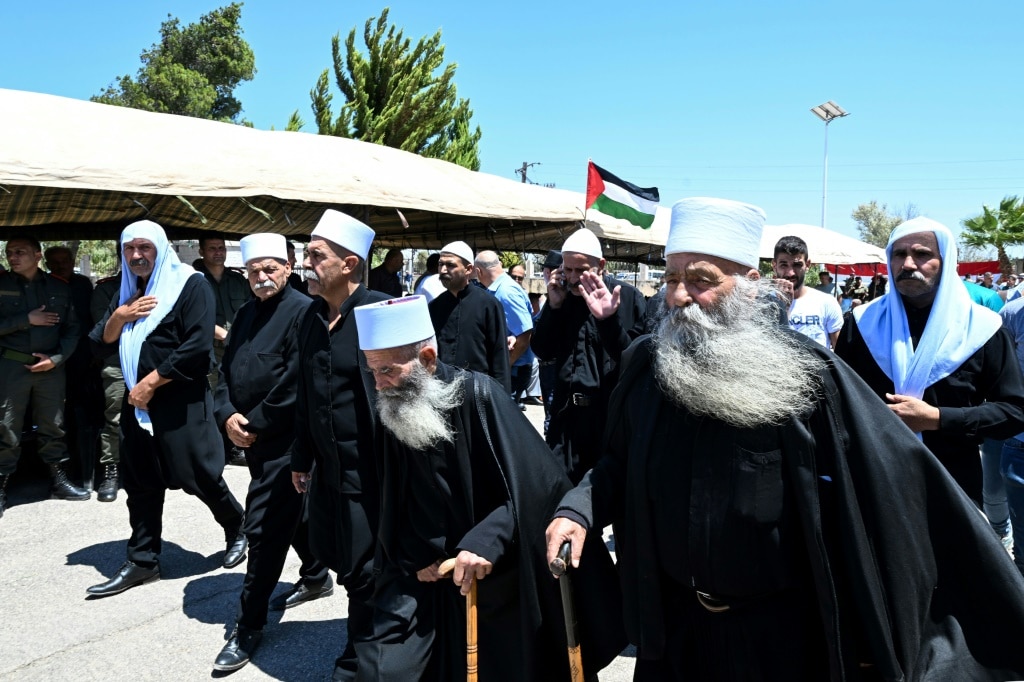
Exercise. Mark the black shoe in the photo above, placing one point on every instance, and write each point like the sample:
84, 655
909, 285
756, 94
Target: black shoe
129, 575
62, 488
3, 492
235, 553
107, 492
301, 593
240, 647
236, 457
532, 400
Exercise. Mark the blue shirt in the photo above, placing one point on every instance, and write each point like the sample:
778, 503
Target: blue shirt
518, 312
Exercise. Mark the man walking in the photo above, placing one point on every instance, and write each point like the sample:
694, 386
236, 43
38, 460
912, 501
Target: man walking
161, 324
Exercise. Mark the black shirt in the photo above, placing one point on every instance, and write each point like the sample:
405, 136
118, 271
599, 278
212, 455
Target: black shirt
471, 332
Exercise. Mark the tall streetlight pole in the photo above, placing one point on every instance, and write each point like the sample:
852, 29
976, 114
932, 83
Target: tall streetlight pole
827, 112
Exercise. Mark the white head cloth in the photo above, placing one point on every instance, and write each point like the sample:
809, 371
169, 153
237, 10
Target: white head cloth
957, 327
165, 283
393, 323
583, 241
460, 249
264, 245
345, 231
716, 227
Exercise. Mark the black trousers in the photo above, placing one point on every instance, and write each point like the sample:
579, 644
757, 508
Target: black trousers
520, 381
185, 451
273, 521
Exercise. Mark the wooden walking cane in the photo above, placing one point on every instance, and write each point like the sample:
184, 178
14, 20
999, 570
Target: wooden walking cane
446, 567
560, 569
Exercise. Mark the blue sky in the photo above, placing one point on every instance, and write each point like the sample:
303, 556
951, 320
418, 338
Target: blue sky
698, 99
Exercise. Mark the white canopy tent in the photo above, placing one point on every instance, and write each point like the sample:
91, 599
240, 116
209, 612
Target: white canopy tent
824, 247
82, 169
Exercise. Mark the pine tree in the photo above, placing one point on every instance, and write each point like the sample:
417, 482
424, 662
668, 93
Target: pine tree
192, 71
397, 95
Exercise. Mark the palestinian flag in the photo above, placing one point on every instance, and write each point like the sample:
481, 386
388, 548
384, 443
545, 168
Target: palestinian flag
620, 199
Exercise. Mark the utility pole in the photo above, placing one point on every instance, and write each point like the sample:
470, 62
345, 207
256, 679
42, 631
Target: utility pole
522, 171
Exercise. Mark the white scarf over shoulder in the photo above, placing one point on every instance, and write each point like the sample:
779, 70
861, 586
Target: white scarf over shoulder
166, 284
957, 327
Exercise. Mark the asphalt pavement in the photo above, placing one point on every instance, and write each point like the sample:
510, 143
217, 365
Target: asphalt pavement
52, 550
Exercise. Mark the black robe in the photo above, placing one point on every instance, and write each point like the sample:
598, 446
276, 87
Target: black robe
496, 488
983, 398
261, 371
334, 430
586, 352
471, 333
907, 576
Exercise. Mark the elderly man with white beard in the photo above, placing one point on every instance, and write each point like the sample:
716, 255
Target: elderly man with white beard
774, 520
465, 475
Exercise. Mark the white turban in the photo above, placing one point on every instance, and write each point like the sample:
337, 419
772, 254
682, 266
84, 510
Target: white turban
460, 249
393, 323
716, 227
264, 245
345, 231
583, 241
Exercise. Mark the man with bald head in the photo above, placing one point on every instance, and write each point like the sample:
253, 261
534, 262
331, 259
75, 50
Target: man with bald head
943, 364
755, 527
589, 319
518, 317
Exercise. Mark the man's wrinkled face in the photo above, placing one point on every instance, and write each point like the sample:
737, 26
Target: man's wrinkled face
312, 280
22, 257
60, 264
267, 276
916, 265
573, 267
140, 255
389, 367
792, 268
213, 252
330, 264
694, 278
453, 272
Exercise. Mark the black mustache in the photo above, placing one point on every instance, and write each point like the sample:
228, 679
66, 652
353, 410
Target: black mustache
138, 262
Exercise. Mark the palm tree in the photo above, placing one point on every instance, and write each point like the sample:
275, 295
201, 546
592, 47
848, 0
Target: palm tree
999, 228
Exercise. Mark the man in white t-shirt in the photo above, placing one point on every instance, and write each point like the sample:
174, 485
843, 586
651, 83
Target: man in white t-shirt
813, 313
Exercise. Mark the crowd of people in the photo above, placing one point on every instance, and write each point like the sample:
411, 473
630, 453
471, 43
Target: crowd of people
798, 491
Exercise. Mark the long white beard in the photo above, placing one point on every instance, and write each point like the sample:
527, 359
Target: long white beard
734, 362
416, 412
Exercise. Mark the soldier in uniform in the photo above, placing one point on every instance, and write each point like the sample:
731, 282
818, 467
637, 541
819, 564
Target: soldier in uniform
113, 395
38, 332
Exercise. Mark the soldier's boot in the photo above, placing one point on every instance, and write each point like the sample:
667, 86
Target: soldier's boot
3, 493
64, 489
107, 492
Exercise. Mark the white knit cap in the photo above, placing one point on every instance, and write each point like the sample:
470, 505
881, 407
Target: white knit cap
583, 241
345, 231
716, 227
460, 249
264, 245
393, 323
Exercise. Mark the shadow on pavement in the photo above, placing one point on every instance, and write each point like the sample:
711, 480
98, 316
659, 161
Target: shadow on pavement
175, 561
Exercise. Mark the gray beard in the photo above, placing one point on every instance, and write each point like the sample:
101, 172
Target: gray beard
416, 413
735, 362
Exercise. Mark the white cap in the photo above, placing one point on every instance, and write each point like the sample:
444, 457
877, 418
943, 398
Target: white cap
583, 241
345, 231
264, 245
393, 323
716, 227
460, 249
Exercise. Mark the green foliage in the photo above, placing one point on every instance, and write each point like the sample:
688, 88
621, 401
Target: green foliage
875, 223
1001, 227
191, 71
103, 256
509, 259
397, 95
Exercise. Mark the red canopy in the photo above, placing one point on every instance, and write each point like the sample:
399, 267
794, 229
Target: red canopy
979, 268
